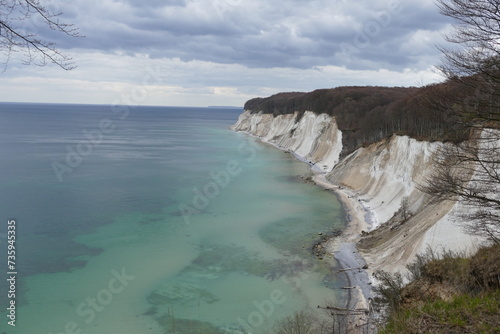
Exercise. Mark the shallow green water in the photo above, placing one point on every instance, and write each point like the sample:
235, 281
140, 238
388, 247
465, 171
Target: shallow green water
175, 223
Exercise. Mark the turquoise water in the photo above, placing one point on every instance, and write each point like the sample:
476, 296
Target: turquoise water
156, 220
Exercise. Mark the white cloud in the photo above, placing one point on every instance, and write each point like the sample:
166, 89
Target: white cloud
196, 83
227, 51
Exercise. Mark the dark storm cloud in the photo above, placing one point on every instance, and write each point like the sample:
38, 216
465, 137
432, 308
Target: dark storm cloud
299, 34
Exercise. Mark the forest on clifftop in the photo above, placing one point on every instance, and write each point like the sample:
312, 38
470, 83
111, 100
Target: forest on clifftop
366, 115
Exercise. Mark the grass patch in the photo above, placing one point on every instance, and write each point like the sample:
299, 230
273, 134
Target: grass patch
463, 314
446, 293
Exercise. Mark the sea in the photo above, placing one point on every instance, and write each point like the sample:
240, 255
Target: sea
153, 220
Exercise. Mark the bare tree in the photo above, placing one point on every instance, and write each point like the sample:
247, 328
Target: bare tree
19, 24
405, 208
301, 322
470, 171
473, 69
389, 289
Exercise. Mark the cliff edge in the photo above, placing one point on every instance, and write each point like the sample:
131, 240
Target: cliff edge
382, 179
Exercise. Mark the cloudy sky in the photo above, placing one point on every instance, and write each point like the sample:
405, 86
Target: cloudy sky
224, 52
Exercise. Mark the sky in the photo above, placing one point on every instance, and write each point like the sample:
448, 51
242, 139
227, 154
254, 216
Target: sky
225, 52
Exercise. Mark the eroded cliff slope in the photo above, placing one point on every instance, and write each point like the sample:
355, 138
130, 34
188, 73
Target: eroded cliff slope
314, 138
383, 176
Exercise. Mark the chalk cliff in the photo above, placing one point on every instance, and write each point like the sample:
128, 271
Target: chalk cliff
314, 138
383, 177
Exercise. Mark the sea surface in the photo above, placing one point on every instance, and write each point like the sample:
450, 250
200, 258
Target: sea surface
152, 220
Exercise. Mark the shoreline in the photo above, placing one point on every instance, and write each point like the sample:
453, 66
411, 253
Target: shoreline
343, 248
357, 213
380, 175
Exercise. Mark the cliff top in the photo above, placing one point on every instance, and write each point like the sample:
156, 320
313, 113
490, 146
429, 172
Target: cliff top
367, 114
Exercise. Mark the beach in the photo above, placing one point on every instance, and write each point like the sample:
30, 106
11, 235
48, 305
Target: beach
387, 215
348, 260
343, 248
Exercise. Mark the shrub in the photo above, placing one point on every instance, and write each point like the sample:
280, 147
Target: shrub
454, 271
463, 314
485, 267
389, 290
447, 293
301, 322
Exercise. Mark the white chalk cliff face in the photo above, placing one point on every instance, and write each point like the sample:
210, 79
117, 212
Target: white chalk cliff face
315, 138
385, 173
381, 176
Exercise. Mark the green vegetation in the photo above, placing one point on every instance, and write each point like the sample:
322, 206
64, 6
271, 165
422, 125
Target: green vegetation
446, 294
463, 314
